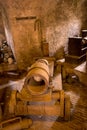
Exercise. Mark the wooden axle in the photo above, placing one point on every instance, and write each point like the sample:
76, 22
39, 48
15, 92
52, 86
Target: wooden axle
49, 96
49, 110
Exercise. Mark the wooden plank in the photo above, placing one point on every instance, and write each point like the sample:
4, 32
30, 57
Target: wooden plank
62, 103
67, 108
7, 67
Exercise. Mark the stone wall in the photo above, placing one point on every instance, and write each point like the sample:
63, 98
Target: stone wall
2, 31
55, 21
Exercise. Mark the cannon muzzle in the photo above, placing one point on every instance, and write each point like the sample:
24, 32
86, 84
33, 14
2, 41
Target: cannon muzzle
37, 79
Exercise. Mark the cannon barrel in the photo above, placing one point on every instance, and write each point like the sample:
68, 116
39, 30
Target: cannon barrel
37, 79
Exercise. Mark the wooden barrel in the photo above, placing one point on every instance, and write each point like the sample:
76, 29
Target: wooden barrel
37, 79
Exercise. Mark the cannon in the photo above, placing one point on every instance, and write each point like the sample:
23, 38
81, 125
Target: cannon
37, 96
